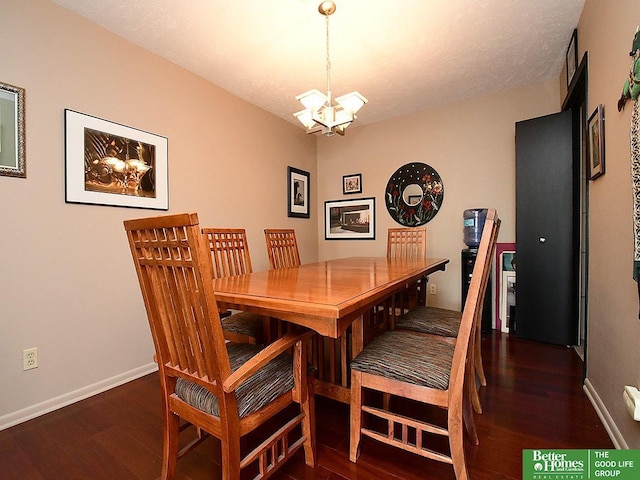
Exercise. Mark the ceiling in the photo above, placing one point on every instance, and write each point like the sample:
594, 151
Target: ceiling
404, 56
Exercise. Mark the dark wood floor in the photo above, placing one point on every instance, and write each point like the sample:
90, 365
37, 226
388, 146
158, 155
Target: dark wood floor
534, 399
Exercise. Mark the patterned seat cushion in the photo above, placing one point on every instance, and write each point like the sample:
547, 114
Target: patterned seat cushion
433, 320
260, 389
244, 323
408, 357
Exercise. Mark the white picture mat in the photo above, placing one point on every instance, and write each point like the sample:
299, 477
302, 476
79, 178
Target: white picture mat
75, 123
366, 212
304, 181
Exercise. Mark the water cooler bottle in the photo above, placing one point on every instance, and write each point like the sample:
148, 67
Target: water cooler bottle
473, 224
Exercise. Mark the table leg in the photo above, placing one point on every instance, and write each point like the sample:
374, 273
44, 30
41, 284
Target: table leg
325, 384
357, 336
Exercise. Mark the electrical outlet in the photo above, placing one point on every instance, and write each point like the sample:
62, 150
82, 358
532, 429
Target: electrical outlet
30, 358
432, 288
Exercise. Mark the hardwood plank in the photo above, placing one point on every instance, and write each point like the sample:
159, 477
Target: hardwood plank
533, 399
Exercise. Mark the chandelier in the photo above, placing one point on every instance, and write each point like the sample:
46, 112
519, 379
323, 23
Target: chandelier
320, 114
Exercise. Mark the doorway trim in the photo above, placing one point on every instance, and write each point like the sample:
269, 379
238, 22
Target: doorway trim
576, 101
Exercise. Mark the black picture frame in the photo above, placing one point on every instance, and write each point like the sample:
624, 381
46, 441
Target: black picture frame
350, 219
298, 186
595, 127
571, 59
352, 183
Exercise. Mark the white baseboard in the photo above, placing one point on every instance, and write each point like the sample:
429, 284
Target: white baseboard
609, 425
14, 418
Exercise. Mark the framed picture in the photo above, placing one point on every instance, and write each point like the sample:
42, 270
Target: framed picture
111, 164
352, 183
12, 144
500, 266
507, 272
507, 299
572, 56
298, 193
350, 219
596, 143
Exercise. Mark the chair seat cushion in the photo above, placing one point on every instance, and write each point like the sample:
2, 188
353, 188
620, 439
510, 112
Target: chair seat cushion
260, 389
408, 357
432, 320
244, 323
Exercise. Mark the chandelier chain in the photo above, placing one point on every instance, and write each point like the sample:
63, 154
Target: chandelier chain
328, 60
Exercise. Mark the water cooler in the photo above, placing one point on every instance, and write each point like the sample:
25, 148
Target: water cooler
473, 225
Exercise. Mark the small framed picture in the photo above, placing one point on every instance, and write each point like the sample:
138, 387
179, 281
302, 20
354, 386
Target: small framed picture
596, 143
298, 193
572, 56
350, 219
107, 163
352, 183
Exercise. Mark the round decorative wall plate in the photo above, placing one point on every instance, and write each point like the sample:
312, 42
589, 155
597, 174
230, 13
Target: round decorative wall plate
414, 194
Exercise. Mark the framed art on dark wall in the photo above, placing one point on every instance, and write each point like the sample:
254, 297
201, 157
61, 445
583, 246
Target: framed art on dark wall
298, 193
350, 219
596, 143
108, 163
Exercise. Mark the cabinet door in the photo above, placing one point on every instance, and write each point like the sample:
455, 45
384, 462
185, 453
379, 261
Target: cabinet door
546, 285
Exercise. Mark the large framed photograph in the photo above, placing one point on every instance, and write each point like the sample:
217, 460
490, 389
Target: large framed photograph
298, 193
12, 136
111, 164
571, 61
596, 143
350, 219
352, 183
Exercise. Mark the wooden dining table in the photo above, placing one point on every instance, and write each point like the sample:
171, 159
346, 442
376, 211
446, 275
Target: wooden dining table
328, 297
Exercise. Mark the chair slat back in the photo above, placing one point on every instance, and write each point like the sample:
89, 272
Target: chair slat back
229, 251
472, 311
282, 248
174, 272
407, 242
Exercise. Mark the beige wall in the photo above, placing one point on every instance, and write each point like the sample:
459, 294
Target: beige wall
606, 30
470, 144
67, 283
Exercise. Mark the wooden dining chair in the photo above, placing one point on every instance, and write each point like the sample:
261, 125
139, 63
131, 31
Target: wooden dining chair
446, 323
223, 388
282, 248
230, 256
405, 243
425, 369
